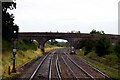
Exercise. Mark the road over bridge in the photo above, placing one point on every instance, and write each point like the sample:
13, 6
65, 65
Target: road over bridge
72, 38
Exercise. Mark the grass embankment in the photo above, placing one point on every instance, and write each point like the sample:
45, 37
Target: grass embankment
108, 63
26, 52
49, 47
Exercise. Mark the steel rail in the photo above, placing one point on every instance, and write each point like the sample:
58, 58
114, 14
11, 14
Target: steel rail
104, 75
80, 67
58, 68
34, 73
50, 68
69, 68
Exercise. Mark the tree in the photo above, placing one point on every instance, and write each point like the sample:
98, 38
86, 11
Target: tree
53, 42
102, 32
87, 44
117, 48
102, 46
7, 19
93, 31
97, 32
79, 44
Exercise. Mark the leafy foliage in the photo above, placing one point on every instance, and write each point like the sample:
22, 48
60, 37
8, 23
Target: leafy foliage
21, 45
25, 45
87, 44
97, 32
7, 19
117, 48
102, 46
7, 46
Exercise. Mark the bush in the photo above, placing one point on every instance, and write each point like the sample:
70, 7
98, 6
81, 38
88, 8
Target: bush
87, 44
117, 49
6, 45
25, 45
102, 46
91, 54
112, 56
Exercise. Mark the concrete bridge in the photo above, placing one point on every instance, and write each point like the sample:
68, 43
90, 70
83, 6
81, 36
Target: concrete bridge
72, 38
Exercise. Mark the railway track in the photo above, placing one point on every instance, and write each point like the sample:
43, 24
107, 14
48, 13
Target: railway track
59, 65
88, 69
78, 72
54, 71
47, 69
35, 76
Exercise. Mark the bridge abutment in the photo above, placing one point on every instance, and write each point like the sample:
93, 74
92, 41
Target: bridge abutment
42, 48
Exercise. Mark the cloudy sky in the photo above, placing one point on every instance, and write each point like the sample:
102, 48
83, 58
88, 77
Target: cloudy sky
67, 15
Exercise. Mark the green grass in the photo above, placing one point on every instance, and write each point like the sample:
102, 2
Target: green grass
25, 52
112, 56
6, 46
113, 73
24, 45
50, 46
21, 58
108, 63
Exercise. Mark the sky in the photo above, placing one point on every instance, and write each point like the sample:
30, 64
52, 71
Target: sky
67, 15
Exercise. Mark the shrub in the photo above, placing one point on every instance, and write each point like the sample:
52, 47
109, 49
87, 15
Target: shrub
117, 49
25, 45
102, 46
89, 45
112, 56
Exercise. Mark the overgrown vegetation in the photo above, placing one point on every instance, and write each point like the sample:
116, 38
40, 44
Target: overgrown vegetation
108, 63
26, 50
25, 45
21, 45
103, 46
117, 49
101, 53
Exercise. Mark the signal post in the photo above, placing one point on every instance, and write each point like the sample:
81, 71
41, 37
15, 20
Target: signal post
14, 33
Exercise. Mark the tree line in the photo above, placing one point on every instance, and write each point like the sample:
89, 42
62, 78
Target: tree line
102, 46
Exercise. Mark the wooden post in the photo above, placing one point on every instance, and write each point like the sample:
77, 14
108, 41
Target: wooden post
9, 69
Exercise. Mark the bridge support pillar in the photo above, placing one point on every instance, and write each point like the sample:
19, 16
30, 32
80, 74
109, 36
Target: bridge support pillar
42, 48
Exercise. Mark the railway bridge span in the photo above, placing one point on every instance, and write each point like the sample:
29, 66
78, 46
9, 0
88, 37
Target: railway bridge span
72, 38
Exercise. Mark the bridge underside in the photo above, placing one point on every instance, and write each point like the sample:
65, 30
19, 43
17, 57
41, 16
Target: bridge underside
42, 41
